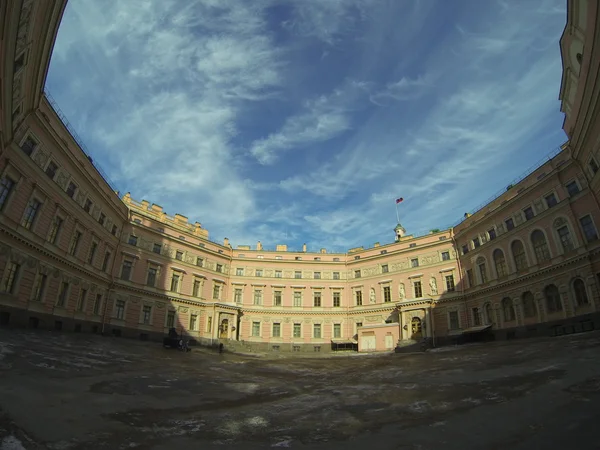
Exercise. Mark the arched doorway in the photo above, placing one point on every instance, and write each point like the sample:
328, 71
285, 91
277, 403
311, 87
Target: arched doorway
224, 329
415, 326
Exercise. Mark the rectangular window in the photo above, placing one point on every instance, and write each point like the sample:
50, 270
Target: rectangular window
297, 298
55, 230
63, 294
98, 304
358, 298
317, 299
259, 273
196, 288
470, 277
317, 275
276, 329
239, 272
465, 249
238, 296
51, 169
589, 230
418, 289
278, 274
151, 279
387, 294
450, 283
81, 300
193, 322
179, 255
414, 262
413, 245
337, 330
453, 320
71, 188
6, 187
476, 242
114, 230
317, 331
565, 238
510, 224
106, 261
87, 206
297, 274
297, 330
277, 298
11, 277
126, 270
445, 256
209, 325
336, 275
256, 329
146, 312
216, 292
92, 252
219, 268
156, 248
133, 240
33, 208
385, 268
476, 317
101, 219
258, 297
593, 166
572, 188
337, 299
357, 273
170, 319
40, 287
199, 262
551, 200
75, 243
483, 273
357, 257
492, 234
29, 145
528, 213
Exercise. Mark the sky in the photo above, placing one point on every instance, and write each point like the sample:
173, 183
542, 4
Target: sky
301, 121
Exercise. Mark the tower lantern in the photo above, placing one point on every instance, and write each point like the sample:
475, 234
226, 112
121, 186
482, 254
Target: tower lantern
400, 232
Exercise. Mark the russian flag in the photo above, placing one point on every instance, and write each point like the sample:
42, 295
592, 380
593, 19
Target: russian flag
398, 200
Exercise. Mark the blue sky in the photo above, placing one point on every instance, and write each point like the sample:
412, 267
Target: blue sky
292, 121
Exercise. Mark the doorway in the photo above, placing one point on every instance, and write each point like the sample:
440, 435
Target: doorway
224, 329
415, 326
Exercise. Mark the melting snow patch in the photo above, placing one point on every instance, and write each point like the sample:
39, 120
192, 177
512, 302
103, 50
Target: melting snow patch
474, 401
11, 443
257, 421
419, 407
546, 369
285, 443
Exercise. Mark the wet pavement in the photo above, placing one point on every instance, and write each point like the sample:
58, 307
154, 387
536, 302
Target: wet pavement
61, 391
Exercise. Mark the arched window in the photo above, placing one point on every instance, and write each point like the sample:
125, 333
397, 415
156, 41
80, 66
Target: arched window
553, 303
529, 309
519, 255
564, 234
540, 246
500, 262
489, 315
581, 296
482, 269
507, 308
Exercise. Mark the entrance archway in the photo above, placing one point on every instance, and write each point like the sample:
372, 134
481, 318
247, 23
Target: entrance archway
415, 326
224, 329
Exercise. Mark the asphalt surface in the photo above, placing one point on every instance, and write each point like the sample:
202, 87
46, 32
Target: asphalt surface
69, 391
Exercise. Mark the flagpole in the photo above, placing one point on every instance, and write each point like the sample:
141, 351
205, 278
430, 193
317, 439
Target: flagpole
397, 216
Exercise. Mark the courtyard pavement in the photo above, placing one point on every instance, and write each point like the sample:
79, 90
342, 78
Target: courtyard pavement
69, 391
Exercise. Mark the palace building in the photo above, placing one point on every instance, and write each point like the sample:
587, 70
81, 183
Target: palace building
78, 257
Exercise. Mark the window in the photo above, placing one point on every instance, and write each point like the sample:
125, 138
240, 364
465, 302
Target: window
179, 255
255, 329
216, 292
476, 317
336, 299
470, 277
51, 169
510, 224
156, 248
508, 309
259, 273
336, 275
6, 187
196, 288
277, 298
92, 252
357, 273
385, 268
97, 304
278, 274
317, 331
138, 221
199, 262
146, 312
358, 298
297, 274
81, 300
298, 258
445, 256
297, 330
106, 261
337, 330
238, 296
519, 257
133, 240
589, 230
258, 297
126, 270
317, 299
317, 275
29, 145
528, 213
11, 277
40, 287
500, 263
63, 294
453, 320
209, 324
414, 262
358, 325
101, 219
465, 249
181, 238
412, 245
529, 309
387, 295
239, 272
450, 283
33, 208
476, 242
492, 234
151, 279
87, 207
581, 296
418, 289
383, 252
551, 200
540, 246
572, 188
297, 298
219, 267
55, 230
564, 236
71, 188
276, 329
170, 319
553, 303
593, 165
336, 259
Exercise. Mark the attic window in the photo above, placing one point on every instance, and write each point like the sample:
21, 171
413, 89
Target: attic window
182, 238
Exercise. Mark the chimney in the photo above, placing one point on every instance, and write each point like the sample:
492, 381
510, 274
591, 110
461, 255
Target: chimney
226, 242
258, 246
304, 248
376, 244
